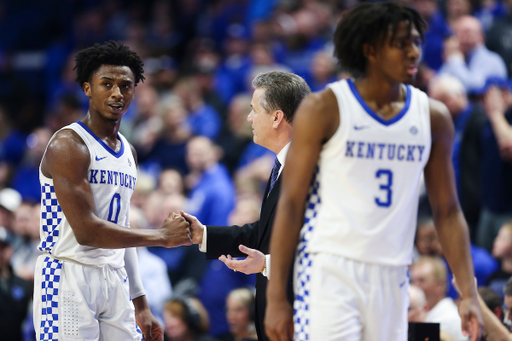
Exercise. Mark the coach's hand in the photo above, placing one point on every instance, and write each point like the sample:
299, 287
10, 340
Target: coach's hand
279, 320
196, 227
176, 231
252, 264
151, 329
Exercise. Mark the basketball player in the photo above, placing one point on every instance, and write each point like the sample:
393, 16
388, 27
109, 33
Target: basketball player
363, 144
85, 278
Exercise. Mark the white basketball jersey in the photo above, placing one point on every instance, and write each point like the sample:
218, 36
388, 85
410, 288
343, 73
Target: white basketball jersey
363, 201
112, 177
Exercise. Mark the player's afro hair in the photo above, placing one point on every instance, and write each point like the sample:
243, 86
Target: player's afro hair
369, 23
89, 60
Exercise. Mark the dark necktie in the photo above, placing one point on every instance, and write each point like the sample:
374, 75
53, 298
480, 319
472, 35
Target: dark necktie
274, 174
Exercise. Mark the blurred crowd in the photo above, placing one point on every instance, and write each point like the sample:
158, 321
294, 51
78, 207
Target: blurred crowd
188, 124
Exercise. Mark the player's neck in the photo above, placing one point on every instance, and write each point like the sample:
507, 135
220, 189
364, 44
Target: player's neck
104, 129
378, 90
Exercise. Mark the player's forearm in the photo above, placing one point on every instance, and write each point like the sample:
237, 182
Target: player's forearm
452, 227
285, 234
104, 234
140, 303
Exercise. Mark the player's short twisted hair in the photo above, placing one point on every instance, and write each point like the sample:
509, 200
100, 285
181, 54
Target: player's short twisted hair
369, 23
89, 60
283, 91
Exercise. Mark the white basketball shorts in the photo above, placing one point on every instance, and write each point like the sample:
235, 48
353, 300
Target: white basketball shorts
73, 301
341, 299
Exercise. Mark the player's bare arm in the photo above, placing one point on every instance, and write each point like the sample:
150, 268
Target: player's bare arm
66, 161
316, 120
448, 217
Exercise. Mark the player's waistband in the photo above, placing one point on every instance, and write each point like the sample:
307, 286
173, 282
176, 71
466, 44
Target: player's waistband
64, 259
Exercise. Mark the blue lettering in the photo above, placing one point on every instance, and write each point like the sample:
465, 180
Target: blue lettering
121, 179
110, 180
102, 176
399, 155
381, 147
371, 149
421, 148
134, 181
360, 146
126, 180
115, 177
410, 152
93, 180
391, 151
350, 145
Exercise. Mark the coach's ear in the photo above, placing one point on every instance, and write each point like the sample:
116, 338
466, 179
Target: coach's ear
87, 89
278, 117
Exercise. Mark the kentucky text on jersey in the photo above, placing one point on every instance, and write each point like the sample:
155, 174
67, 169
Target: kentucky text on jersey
102, 176
389, 151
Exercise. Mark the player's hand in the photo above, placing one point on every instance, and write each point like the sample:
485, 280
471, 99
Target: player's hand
279, 320
472, 322
176, 231
151, 329
196, 228
252, 264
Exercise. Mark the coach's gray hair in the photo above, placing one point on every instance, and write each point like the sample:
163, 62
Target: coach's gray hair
284, 91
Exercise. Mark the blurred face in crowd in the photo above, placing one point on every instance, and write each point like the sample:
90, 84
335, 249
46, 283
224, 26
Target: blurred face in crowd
175, 327
468, 31
417, 306
237, 315
171, 182
23, 219
427, 241
201, 154
502, 246
422, 276
261, 120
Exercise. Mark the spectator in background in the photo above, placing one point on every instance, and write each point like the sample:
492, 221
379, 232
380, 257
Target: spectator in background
26, 225
26, 178
427, 244
10, 200
418, 307
152, 269
493, 301
186, 320
238, 134
202, 118
496, 167
67, 111
468, 120
212, 192
499, 37
15, 293
170, 182
456, 9
507, 320
467, 58
322, 71
502, 250
438, 31
240, 316
167, 148
429, 274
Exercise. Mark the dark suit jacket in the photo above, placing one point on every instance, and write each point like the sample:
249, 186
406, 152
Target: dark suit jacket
223, 240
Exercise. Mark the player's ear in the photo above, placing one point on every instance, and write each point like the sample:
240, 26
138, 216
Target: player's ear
87, 89
368, 51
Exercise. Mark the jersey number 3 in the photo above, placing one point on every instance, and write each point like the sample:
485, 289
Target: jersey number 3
386, 187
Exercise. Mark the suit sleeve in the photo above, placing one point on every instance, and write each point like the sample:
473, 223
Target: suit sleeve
223, 240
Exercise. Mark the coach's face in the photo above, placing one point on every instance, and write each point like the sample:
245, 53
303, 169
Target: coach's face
261, 120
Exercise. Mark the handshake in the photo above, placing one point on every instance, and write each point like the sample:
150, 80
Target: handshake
181, 229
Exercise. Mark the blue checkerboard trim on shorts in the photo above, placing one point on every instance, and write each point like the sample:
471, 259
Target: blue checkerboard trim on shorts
49, 328
303, 264
51, 216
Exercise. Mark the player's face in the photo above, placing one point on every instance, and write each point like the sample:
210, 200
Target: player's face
110, 91
261, 120
398, 59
